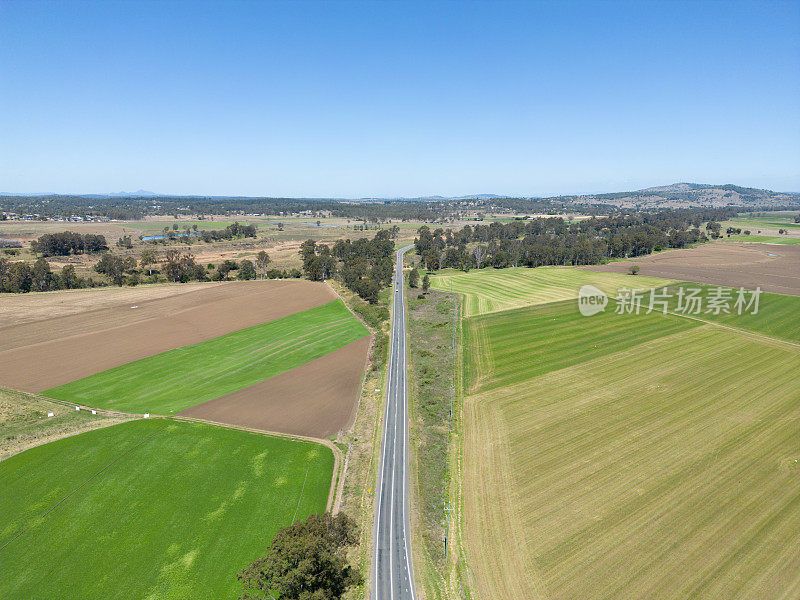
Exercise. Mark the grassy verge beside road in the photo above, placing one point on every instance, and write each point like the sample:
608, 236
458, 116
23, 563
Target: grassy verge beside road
431, 361
362, 443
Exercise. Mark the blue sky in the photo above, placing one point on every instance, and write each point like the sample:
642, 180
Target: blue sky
358, 99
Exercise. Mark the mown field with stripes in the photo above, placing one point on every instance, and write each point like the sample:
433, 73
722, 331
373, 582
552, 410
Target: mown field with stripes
630, 456
492, 290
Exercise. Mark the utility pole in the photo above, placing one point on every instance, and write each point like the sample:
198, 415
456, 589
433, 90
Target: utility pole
447, 510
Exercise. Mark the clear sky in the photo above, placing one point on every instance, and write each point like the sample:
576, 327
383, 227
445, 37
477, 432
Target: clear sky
360, 99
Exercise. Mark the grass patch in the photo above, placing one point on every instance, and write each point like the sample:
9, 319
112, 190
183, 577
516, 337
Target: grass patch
178, 379
151, 509
493, 290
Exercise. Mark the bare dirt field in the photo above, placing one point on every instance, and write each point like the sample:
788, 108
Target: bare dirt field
16, 309
774, 268
47, 352
317, 399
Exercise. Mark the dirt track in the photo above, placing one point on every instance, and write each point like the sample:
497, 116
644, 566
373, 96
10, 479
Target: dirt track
729, 264
316, 399
38, 355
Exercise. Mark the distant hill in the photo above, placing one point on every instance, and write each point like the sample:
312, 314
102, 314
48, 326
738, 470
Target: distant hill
691, 195
136, 194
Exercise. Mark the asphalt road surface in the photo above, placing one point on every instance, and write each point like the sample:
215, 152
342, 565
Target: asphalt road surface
392, 575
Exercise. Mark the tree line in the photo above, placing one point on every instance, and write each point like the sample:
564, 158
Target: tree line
152, 267
364, 266
553, 241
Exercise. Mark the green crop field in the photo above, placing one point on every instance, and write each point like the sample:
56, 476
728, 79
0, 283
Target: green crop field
632, 456
775, 221
492, 290
178, 379
763, 239
150, 509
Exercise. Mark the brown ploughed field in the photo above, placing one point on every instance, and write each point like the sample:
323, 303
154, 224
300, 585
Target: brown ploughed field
49, 351
16, 309
315, 399
773, 268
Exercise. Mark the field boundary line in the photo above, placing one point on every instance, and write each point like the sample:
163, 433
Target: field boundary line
337, 453
762, 337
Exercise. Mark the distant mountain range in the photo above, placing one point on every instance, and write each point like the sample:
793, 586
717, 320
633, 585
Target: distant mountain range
136, 194
676, 195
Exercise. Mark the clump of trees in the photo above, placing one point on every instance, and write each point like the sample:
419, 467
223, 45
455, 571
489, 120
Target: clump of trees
21, 277
181, 266
68, 242
305, 561
116, 268
231, 231
363, 266
318, 262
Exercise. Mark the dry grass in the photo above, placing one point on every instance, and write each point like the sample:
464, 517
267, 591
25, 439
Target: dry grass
24, 422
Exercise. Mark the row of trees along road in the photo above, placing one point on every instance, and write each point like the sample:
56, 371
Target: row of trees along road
364, 266
554, 241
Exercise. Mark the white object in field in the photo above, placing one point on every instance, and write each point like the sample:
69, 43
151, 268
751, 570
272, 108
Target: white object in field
146, 415
377, 389
94, 412
53, 415
77, 408
135, 306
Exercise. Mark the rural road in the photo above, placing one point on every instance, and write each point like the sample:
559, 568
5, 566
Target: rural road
392, 575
